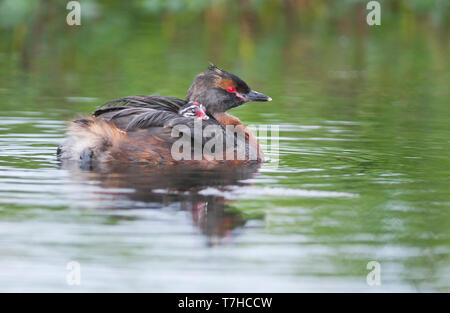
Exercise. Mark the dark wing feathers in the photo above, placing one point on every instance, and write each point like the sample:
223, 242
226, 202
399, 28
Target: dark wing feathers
153, 101
133, 112
107, 110
143, 112
150, 118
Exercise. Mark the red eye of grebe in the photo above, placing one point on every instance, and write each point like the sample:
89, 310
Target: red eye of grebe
231, 89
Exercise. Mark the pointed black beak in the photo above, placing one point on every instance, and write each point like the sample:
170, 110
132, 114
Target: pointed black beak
256, 96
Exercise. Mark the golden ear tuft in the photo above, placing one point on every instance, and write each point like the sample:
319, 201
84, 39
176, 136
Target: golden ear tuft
225, 83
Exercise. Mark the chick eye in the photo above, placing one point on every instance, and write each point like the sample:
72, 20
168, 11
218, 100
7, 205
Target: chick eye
231, 89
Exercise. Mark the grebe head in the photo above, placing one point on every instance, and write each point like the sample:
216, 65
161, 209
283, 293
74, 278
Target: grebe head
193, 109
220, 91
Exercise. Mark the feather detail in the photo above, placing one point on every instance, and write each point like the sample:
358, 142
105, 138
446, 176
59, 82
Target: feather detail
153, 101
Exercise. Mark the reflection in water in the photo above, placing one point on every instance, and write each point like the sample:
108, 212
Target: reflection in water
180, 186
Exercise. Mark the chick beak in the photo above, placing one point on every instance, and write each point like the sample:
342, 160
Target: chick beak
201, 113
256, 96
